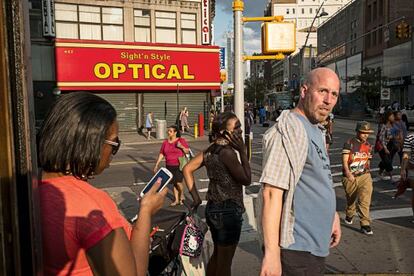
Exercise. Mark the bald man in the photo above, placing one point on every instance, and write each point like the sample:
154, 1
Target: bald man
299, 220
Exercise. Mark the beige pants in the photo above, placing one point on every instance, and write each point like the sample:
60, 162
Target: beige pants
358, 197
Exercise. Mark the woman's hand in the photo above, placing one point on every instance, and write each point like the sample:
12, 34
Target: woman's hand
152, 201
155, 170
236, 141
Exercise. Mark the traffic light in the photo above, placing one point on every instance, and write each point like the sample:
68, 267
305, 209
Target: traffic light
403, 30
223, 75
399, 31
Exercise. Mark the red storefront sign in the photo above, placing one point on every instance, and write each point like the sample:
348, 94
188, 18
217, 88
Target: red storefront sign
97, 65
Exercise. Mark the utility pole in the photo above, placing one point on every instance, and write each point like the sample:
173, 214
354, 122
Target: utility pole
238, 7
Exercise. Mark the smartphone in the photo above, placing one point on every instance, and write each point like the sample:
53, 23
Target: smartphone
165, 176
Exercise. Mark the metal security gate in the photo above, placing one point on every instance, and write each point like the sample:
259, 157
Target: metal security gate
126, 106
164, 105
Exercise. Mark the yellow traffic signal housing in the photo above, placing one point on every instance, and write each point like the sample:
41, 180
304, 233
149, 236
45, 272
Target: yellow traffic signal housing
223, 75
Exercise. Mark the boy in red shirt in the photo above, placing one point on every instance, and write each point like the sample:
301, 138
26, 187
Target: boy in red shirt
357, 181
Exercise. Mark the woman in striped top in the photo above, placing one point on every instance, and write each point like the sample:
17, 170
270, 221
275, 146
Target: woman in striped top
407, 165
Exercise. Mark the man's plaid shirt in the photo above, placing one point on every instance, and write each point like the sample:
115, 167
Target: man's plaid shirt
285, 148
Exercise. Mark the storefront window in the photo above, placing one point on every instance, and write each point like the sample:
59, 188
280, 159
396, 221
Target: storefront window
188, 28
142, 25
165, 27
89, 22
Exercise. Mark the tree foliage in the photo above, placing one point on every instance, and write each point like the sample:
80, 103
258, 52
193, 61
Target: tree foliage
254, 87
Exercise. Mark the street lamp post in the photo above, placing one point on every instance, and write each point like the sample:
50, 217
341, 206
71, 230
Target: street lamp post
317, 15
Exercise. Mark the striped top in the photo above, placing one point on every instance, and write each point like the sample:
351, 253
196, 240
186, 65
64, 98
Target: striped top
409, 146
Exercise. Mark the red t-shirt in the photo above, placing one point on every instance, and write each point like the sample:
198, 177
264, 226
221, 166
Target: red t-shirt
75, 216
171, 152
359, 155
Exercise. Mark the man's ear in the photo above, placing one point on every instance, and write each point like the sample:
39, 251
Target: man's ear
303, 90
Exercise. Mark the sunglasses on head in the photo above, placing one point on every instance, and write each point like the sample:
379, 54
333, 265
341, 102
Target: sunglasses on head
114, 144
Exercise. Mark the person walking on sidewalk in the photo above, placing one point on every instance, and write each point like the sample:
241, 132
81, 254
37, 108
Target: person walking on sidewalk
298, 217
386, 146
357, 181
171, 149
184, 120
149, 124
83, 232
407, 165
227, 176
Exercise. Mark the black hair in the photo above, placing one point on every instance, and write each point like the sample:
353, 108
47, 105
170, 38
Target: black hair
71, 137
176, 129
220, 123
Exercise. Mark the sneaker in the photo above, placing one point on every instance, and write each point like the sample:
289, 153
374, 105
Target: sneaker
349, 220
366, 229
385, 177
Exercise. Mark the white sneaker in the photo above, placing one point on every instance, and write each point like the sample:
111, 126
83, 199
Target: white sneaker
385, 177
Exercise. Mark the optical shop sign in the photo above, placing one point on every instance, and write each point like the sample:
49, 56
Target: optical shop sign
88, 65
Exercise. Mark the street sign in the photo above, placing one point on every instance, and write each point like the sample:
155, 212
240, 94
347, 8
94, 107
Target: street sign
385, 94
222, 58
278, 37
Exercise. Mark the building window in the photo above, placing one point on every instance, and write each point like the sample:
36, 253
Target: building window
287, 11
67, 26
188, 28
142, 25
381, 7
310, 10
303, 10
374, 12
380, 36
368, 40
293, 10
374, 38
89, 22
369, 11
165, 27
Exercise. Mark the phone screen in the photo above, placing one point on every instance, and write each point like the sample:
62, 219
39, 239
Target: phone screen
160, 174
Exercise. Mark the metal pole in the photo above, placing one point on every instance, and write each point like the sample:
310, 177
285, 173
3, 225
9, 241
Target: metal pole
178, 100
238, 7
222, 97
310, 57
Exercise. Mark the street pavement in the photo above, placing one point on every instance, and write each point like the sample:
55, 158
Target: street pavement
390, 250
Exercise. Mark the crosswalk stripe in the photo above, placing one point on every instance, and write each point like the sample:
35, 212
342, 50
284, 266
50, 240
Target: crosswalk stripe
392, 191
391, 213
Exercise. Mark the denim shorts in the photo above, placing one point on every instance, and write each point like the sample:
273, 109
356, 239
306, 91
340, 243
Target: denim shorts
225, 222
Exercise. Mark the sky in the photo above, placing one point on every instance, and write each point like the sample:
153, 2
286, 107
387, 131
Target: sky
223, 23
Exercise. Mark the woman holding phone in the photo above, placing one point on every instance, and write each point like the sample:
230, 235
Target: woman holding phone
82, 229
227, 175
171, 149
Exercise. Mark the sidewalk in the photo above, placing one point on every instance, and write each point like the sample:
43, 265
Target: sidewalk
133, 138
